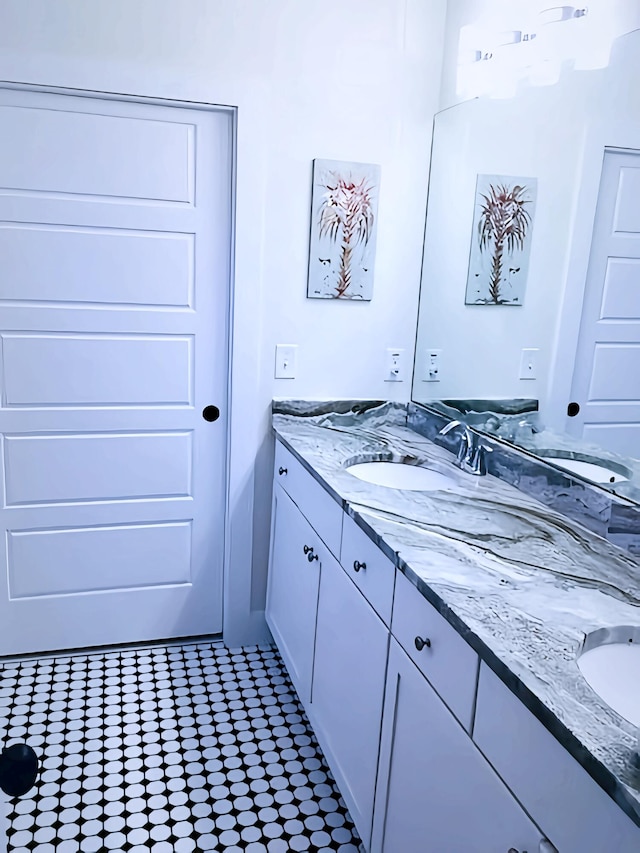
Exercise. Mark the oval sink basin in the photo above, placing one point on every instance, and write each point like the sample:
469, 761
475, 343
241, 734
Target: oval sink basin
594, 471
398, 475
610, 663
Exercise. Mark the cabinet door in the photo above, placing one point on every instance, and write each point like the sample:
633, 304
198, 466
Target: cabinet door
435, 790
569, 805
348, 690
292, 595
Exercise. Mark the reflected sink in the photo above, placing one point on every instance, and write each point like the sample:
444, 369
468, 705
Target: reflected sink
399, 475
597, 472
610, 663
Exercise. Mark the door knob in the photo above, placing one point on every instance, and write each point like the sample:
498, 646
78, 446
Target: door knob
573, 409
211, 413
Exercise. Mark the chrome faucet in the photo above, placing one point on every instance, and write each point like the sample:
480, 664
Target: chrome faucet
471, 451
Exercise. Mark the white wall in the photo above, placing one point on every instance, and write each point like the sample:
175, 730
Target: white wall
343, 79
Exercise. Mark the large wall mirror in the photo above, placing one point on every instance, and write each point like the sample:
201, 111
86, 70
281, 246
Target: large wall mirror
567, 291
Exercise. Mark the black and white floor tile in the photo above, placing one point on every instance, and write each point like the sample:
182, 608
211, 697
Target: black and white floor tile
169, 749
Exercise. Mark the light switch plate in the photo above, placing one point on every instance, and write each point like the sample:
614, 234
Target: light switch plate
286, 361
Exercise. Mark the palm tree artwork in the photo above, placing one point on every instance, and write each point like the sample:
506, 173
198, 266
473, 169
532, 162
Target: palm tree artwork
504, 217
344, 218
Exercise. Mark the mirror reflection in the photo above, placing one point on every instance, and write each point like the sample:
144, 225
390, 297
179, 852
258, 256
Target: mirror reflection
531, 271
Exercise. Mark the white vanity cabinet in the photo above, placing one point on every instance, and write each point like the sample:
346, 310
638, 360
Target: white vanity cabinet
435, 790
430, 750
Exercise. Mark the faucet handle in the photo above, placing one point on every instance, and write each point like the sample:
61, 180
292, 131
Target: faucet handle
448, 427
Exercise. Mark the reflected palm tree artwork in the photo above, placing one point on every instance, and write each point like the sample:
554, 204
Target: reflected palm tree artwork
501, 240
343, 230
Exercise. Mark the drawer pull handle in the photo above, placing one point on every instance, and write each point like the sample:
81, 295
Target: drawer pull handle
357, 566
420, 644
282, 471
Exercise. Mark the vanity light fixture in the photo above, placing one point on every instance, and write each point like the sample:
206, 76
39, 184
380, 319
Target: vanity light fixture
558, 14
514, 46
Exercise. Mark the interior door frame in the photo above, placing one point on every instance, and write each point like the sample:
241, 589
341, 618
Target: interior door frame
230, 609
598, 138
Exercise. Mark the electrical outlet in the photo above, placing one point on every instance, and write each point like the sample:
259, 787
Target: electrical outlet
529, 363
395, 365
432, 369
286, 361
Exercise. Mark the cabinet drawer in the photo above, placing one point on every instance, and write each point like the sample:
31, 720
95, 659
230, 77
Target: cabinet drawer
572, 809
450, 665
367, 566
320, 509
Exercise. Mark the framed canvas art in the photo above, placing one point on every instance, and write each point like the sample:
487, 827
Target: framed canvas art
344, 220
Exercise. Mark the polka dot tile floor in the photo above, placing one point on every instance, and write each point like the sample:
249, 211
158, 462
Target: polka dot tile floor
169, 749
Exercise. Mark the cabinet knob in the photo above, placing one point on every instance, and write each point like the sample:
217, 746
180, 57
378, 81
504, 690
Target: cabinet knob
282, 471
420, 644
307, 548
311, 556
357, 566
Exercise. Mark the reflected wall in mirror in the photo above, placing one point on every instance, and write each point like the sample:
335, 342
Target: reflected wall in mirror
580, 318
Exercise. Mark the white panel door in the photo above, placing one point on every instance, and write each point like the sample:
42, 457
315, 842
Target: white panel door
115, 234
606, 380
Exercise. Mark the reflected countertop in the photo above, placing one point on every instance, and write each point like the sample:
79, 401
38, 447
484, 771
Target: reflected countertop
519, 423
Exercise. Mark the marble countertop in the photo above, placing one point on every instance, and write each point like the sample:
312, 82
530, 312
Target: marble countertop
521, 582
